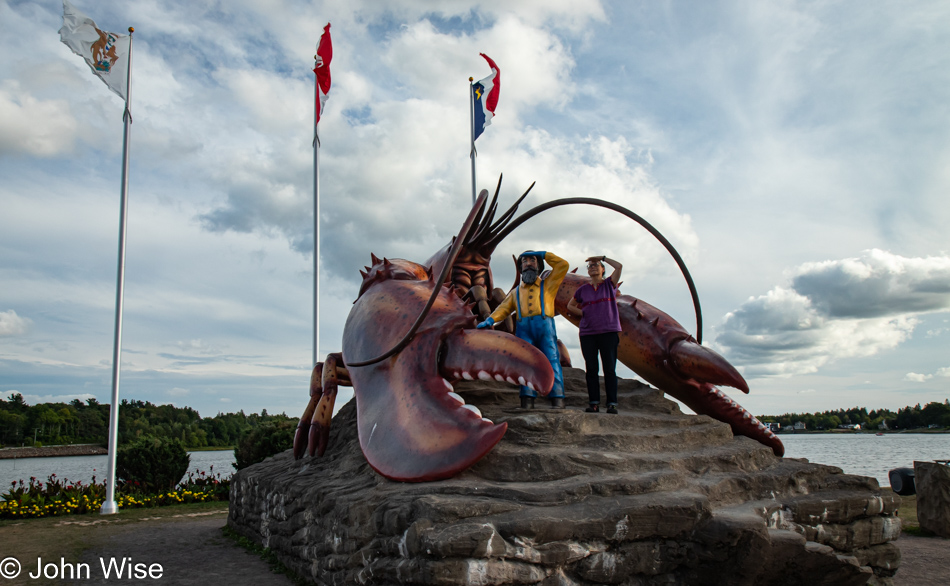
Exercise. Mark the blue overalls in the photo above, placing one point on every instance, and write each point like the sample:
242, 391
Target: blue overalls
539, 331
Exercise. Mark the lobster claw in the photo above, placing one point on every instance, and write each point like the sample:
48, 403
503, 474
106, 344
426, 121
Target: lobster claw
414, 427
663, 353
690, 360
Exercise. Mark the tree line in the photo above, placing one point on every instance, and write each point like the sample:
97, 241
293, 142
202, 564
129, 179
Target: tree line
80, 422
932, 414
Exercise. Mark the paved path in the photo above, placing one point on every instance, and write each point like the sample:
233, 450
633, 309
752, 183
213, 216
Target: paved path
925, 561
191, 550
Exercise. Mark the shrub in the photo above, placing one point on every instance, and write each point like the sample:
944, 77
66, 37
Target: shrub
154, 463
263, 442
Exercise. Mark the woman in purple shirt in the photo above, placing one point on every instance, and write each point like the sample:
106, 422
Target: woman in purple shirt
596, 304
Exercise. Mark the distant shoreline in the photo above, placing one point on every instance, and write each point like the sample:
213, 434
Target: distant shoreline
73, 450
861, 432
53, 451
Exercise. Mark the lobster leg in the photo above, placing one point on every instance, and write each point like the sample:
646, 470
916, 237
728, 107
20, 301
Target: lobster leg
303, 428
313, 430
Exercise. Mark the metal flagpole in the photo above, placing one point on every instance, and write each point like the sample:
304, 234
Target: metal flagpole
471, 112
316, 219
109, 506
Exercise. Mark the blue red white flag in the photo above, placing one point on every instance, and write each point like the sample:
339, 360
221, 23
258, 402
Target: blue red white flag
107, 54
322, 69
485, 96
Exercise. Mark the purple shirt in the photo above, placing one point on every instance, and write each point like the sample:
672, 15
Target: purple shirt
600, 308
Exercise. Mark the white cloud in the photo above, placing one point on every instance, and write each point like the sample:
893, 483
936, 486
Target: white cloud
394, 168
43, 128
12, 324
198, 347
917, 378
856, 307
178, 392
877, 284
37, 399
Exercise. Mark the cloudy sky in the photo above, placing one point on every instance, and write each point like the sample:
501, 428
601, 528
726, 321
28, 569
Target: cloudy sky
797, 154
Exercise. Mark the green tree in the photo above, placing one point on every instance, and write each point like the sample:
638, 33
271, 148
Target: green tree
263, 442
154, 463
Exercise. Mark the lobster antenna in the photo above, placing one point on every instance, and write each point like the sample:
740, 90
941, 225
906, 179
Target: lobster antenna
485, 237
511, 211
622, 210
484, 226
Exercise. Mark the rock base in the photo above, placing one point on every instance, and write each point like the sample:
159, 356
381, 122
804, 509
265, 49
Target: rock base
649, 496
933, 497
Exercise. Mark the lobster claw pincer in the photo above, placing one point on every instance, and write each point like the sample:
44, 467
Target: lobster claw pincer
691, 360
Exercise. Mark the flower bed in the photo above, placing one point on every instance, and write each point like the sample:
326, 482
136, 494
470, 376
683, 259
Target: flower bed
62, 497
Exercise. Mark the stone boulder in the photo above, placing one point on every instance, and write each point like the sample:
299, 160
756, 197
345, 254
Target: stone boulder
933, 496
649, 496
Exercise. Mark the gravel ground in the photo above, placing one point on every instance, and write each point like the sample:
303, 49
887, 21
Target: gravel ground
925, 561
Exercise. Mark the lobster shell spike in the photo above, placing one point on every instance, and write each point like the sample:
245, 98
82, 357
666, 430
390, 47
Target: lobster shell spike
374, 258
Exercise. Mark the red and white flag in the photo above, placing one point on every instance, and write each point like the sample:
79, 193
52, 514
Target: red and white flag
107, 54
322, 69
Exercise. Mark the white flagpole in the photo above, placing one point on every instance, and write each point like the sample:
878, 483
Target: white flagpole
316, 220
109, 506
471, 111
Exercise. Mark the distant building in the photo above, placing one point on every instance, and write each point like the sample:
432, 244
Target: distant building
883, 425
775, 427
799, 425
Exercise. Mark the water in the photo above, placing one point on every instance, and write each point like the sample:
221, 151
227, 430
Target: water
868, 454
83, 468
862, 454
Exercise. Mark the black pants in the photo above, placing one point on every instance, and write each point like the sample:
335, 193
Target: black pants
606, 345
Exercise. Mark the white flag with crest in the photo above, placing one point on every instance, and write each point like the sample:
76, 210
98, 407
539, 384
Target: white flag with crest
107, 54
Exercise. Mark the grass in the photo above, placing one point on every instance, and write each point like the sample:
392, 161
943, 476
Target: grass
908, 514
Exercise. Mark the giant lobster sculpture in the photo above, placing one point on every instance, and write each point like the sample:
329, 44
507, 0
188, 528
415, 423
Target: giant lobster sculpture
411, 334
